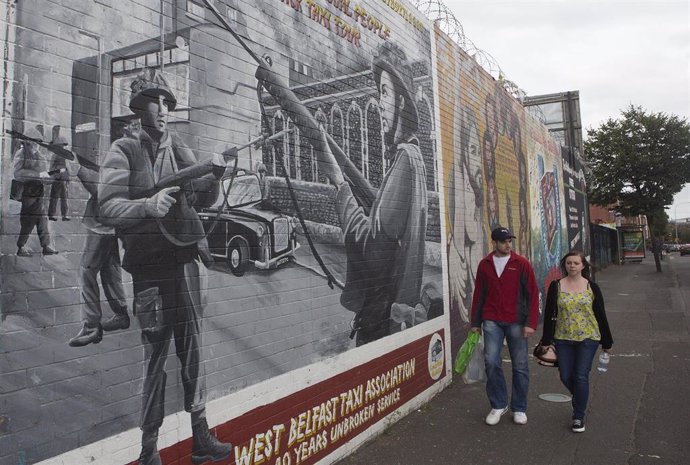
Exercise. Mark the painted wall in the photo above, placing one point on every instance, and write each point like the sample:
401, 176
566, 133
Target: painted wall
239, 321
501, 168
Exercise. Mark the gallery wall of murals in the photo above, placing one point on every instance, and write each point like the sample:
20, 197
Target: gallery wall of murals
289, 372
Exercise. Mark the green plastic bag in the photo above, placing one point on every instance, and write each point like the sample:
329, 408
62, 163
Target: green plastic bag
466, 351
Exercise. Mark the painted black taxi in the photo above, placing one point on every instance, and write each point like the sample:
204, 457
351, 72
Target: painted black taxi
248, 231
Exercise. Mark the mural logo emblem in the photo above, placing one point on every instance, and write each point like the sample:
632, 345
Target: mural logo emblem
436, 356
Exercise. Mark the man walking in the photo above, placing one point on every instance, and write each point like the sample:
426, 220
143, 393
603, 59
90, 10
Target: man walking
506, 305
160, 233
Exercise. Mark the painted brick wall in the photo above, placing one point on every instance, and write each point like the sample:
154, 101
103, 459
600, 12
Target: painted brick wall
274, 334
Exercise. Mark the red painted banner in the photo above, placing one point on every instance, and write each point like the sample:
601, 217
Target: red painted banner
304, 427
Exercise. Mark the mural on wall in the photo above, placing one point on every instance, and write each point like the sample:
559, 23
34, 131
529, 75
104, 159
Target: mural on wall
575, 200
486, 164
467, 231
255, 205
548, 210
505, 162
502, 168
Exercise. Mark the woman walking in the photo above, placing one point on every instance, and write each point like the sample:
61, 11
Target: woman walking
575, 322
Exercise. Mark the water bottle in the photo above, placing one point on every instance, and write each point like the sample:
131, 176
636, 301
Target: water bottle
604, 359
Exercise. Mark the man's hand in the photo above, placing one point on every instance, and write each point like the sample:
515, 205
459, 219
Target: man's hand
477, 329
527, 331
159, 205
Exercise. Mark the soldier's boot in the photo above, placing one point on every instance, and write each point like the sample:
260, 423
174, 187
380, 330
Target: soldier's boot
149, 449
115, 322
87, 335
206, 447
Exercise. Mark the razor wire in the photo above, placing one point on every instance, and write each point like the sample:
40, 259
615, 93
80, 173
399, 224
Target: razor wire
443, 17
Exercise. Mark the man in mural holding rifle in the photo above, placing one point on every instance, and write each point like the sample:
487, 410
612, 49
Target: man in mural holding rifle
162, 236
30, 171
384, 242
385, 249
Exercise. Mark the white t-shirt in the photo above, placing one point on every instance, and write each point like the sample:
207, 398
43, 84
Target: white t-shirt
500, 264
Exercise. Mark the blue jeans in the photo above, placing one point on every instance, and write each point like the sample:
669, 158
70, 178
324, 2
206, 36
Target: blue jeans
494, 332
574, 363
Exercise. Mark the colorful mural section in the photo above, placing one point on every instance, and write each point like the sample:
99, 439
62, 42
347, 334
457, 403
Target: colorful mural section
501, 168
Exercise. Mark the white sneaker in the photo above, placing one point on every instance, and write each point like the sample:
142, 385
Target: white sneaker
520, 418
495, 415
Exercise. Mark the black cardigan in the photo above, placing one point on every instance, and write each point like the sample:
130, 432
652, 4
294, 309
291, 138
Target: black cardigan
551, 311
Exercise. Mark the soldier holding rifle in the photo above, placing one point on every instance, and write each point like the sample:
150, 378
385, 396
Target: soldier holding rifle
384, 231
162, 235
385, 248
29, 169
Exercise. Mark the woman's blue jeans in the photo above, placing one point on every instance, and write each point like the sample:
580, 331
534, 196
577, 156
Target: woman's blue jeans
494, 332
574, 364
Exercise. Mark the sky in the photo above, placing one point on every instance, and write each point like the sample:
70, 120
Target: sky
615, 53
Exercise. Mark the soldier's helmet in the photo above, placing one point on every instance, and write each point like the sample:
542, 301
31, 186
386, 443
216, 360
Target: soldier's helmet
391, 58
150, 83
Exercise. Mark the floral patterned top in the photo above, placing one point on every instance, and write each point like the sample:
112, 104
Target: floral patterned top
576, 320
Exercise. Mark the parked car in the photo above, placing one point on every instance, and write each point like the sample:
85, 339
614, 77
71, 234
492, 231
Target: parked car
685, 249
248, 230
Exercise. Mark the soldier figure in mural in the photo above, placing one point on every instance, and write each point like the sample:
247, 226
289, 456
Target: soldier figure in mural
162, 235
385, 246
60, 186
264, 185
127, 126
30, 172
101, 255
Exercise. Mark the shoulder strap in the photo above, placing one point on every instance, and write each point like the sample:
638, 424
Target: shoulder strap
555, 310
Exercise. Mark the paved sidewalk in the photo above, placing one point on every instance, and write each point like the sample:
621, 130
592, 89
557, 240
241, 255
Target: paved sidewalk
639, 411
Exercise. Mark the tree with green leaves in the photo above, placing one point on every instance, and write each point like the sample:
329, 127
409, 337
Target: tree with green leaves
639, 162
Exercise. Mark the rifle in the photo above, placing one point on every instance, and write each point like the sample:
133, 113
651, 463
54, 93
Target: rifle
200, 169
57, 149
300, 115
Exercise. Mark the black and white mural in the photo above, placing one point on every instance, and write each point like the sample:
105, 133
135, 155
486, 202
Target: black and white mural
199, 196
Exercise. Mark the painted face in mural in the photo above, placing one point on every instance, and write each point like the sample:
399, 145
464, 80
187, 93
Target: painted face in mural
388, 101
503, 248
154, 116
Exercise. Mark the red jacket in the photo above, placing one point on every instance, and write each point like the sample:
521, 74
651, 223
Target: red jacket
512, 298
